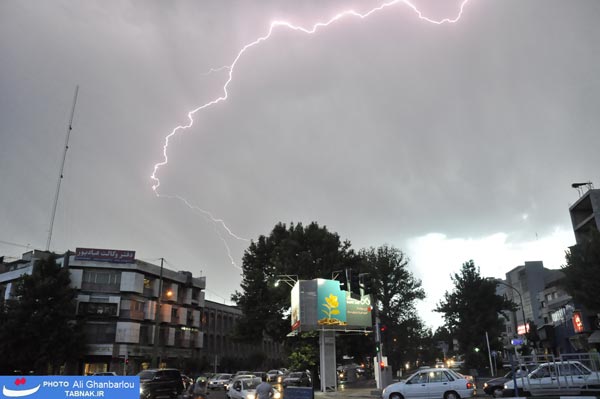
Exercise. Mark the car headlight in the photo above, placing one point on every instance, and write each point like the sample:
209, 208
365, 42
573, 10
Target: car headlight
485, 384
277, 395
250, 396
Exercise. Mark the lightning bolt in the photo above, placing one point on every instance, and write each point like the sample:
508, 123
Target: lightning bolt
311, 29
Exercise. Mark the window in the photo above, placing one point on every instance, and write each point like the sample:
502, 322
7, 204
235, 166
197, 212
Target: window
420, 378
91, 308
101, 280
97, 333
438, 376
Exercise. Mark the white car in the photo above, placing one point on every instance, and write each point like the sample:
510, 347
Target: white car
218, 381
557, 378
235, 378
245, 388
431, 383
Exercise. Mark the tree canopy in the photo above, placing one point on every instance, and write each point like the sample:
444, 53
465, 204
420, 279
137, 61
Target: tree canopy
309, 252
471, 310
37, 328
581, 272
396, 290
306, 252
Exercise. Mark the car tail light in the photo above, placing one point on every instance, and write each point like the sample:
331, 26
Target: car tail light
469, 385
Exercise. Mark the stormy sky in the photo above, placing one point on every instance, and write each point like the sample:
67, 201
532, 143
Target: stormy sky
451, 142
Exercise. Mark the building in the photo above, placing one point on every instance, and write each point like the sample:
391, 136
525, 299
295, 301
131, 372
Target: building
585, 213
223, 353
522, 285
118, 298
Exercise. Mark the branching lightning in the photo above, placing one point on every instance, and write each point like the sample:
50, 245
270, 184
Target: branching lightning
231, 70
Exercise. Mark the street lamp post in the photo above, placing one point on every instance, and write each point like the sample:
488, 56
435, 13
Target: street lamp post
497, 281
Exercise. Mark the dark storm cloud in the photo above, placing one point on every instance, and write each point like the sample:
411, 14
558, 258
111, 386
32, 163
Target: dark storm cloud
385, 130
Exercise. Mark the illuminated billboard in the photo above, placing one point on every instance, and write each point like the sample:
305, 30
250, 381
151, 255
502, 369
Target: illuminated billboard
321, 304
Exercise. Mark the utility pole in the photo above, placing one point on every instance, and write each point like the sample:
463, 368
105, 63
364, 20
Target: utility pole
62, 168
155, 362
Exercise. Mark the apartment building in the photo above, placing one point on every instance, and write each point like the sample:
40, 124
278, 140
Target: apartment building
118, 299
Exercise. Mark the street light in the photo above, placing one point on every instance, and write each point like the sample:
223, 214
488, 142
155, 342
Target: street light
498, 281
289, 279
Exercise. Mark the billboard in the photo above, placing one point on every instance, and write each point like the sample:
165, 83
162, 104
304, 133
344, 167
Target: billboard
320, 304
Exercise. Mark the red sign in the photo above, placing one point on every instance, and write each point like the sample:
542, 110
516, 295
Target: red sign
577, 322
105, 255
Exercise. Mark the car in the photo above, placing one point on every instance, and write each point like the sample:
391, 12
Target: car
259, 374
273, 374
218, 381
431, 383
297, 379
160, 383
105, 373
236, 377
495, 386
556, 378
243, 388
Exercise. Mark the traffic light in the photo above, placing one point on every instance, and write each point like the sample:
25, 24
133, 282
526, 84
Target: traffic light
383, 328
342, 277
354, 284
367, 283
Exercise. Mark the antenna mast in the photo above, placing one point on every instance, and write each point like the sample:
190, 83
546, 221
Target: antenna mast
62, 167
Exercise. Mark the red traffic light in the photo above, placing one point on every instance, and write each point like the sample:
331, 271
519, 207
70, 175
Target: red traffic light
383, 328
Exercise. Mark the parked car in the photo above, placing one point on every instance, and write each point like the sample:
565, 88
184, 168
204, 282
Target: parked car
218, 381
273, 374
432, 383
156, 383
297, 379
556, 378
495, 386
105, 373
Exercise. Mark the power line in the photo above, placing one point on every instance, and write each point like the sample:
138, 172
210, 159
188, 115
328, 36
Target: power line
14, 244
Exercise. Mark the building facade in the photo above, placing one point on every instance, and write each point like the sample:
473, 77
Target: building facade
225, 354
118, 302
585, 214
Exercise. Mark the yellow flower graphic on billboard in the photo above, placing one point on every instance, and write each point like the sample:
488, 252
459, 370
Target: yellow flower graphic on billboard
331, 306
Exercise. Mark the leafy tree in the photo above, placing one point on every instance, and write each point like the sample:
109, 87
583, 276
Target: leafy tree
471, 310
396, 291
38, 332
306, 252
581, 272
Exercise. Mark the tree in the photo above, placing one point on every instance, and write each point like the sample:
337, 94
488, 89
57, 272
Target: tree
396, 290
38, 331
307, 252
471, 310
581, 272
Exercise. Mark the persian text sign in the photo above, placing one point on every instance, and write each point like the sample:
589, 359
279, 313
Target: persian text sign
105, 255
68, 387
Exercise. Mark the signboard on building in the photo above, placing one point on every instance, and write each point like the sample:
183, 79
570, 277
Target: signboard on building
320, 304
105, 255
577, 322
